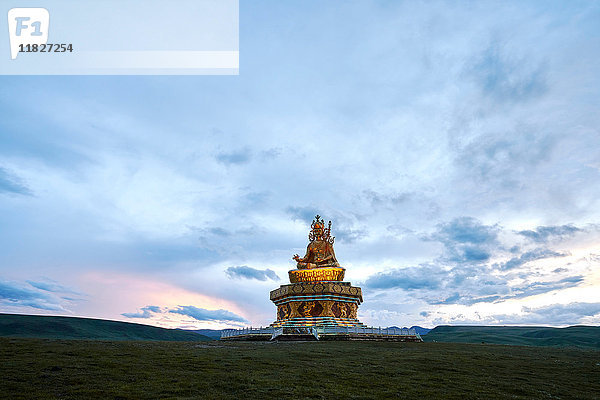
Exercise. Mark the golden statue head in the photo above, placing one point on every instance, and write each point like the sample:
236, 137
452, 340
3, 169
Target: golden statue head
319, 232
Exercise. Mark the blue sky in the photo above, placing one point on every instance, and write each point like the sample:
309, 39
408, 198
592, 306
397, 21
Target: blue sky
455, 146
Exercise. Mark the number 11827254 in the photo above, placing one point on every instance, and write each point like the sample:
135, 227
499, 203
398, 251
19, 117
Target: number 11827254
46, 48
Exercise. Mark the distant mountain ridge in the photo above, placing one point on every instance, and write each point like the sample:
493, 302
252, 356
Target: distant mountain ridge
418, 329
211, 333
52, 327
580, 336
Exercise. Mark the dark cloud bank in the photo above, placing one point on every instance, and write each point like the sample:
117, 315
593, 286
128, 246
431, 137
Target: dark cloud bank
245, 272
41, 295
11, 184
200, 314
542, 234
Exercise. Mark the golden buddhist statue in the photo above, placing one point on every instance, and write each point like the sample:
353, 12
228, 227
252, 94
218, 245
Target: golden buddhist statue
319, 252
319, 263
317, 295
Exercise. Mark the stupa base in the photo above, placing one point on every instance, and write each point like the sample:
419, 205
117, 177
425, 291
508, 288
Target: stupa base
317, 304
317, 322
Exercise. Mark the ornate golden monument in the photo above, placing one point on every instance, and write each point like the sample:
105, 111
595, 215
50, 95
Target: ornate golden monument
316, 295
317, 304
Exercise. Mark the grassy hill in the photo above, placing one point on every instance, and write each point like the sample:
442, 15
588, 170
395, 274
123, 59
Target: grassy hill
581, 336
50, 327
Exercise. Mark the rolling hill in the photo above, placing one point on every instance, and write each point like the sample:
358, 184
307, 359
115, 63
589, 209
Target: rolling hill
581, 336
51, 327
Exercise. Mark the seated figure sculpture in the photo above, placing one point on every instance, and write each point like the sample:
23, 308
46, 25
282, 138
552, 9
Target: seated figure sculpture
319, 252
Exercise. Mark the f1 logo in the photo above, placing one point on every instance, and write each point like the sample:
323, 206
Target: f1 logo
27, 26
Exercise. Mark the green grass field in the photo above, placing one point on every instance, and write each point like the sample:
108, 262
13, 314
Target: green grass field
80, 369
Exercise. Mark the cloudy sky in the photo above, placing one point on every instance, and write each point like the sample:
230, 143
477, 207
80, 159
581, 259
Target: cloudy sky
454, 146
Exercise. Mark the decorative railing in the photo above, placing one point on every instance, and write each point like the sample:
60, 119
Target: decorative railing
359, 330
247, 331
327, 330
